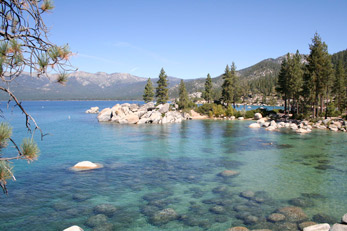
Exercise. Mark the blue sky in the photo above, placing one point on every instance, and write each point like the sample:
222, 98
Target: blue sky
191, 38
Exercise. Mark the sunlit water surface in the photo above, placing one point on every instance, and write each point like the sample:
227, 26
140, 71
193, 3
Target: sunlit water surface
148, 168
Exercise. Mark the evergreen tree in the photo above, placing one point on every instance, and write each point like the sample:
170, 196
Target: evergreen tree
184, 101
295, 80
340, 86
162, 88
228, 87
235, 84
282, 82
149, 91
319, 77
208, 89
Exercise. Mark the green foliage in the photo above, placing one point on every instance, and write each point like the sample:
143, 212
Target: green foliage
332, 110
205, 109
162, 88
218, 110
62, 78
208, 89
149, 91
318, 79
230, 111
47, 5
30, 149
43, 61
184, 101
229, 90
249, 114
290, 78
5, 134
5, 172
340, 86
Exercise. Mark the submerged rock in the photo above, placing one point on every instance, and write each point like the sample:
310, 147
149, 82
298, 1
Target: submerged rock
323, 218
164, 216
276, 217
217, 209
107, 209
228, 173
250, 220
293, 214
301, 202
247, 194
239, 228
96, 220
104, 227
81, 197
302, 130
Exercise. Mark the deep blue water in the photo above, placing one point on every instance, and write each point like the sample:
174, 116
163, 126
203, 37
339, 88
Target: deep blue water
148, 168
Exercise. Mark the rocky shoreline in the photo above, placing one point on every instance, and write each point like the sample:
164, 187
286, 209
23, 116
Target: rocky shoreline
299, 126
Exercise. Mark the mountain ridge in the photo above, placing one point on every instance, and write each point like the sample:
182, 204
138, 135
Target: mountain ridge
120, 86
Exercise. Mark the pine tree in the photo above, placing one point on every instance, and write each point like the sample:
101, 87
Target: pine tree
149, 91
282, 82
319, 76
162, 88
228, 87
340, 86
235, 84
184, 101
208, 89
295, 79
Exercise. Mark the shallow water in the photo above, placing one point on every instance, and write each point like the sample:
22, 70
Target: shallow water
148, 168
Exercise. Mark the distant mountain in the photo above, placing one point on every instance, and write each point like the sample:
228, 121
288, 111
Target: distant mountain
82, 86
117, 86
266, 67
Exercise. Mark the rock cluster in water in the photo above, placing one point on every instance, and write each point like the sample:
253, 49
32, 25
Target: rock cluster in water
300, 126
93, 110
146, 114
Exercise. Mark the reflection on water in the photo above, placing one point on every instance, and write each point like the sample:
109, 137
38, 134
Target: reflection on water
168, 177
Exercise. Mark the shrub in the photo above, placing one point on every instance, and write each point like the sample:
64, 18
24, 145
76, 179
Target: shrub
230, 111
205, 109
249, 114
218, 110
332, 111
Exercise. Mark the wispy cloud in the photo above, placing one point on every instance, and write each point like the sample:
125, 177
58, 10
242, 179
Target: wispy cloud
149, 53
134, 69
99, 59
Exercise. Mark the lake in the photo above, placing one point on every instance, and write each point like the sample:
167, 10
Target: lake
167, 177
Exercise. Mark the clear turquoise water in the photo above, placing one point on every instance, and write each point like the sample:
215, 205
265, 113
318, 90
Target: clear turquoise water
153, 167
